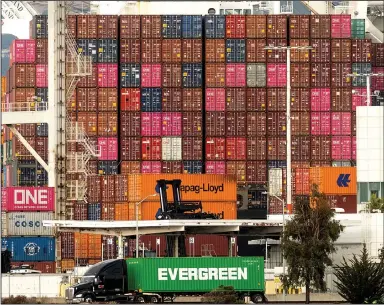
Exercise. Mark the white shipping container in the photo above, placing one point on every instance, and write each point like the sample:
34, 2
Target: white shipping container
275, 178
26, 224
171, 149
256, 75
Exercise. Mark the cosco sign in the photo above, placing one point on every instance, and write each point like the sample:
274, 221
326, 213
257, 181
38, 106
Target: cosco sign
27, 224
29, 197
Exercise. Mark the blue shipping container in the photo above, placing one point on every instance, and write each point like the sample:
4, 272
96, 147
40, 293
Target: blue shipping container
130, 75
360, 68
107, 167
277, 164
30, 249
171, 26
107, 51
94, 211
191, 26
235, 50
192, 75
192, 167
151, 99
88, 47
42, 96
42, 130
215, 26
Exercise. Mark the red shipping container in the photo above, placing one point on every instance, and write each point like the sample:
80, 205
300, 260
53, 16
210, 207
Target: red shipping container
108, 211
87, 26
107, 99
353, 146
326, 163
21, 98
235, 26
130, 149
299, 26
130, 99
256, 99
353, 123
299, 55
107, 124
191, 123
255, 50
277, 26
151, 123
277, 148
378, 54
276, 123
341, 50
171, 98
300, 99
20, 151
171, 167
359, 97
237, 169
108, 188
215, 51
341, 123
235, 75
256, 172
107, 26
129, 26
130, 167
300, 75
320, 75
108, 149
320, 123
215, 148
171, 50
192, 148
44, 267
67, 245
215, 99
107, 75
341, 148
236, 123
22, 51
130, 50
256, 148
300, 123
151, 167
80, 211
341, 99
301, 148
320, 26
215, 167
26, 130
130, 124
320, 99
341, 26
94, 189
192, 99
89, 81
256, 124
277, 56
151, 148
378, 81
151, 75
321, 50
18, 199
151, 26
301, 181
361, 50
192, 50
276, 75
86, 99
256, 26
215, 75
171, 124
151, 51
236, 99
215, 124
22, 76
340, 76
42, 51
171, 75
41, 147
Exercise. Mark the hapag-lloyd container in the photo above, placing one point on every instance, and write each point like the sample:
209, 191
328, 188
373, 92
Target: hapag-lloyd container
27, 224
151, 75
236, 148
341, 26
107, 75
320, 99
359, 97
215, 167
320, 123
151, 167
341, 123
30, 249
22, 51
235, 75
151, 124
276, 75
335, 180
215, 124
108, 148
215, 148
206, 188
171, 149
130, 149
130, 99
341, 148
16, 199
171, 124
151, 148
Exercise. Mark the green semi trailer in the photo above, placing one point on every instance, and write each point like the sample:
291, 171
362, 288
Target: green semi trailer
154, 280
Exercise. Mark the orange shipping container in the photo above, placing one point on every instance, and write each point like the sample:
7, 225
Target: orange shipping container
67, 264
132, 211
121, 211
81, 245
335, 180
196, 187
94, 246
149, 209
3, 85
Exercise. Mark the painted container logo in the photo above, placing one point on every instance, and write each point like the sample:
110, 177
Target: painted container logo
202, 188
202, 274
28, 198
31, 249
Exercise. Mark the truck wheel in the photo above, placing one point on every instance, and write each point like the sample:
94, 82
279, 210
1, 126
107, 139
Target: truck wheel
154, 300
88, 298
140, 300
257, 298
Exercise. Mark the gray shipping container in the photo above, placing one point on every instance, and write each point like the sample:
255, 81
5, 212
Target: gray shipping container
256, 75
26, 224
360, 68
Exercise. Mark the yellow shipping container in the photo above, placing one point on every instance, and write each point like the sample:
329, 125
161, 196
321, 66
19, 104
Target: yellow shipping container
335, 180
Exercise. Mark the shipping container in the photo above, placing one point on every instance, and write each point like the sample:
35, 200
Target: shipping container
359, 97
192, 75
256, 148
256, 99
22, 76
301, 148
320, 26
215, 167
18, 199
215, 26
171, 149
277, 26
256, 75
346, 202
107, 167
88, 47
107, 75
341, 123
171, 76
191, 26
215, 75
215, 148
339, 74
298, 55
151, 50
255, 49
300, 99
192, 50
377, 82
41, 147
320, 75
341, 148
89, 81
94, 189
341, 26
107, 124
256, 124
81, 246
108, 148
130, 167
42, 130
300, 123
235, 26
236, 148
358, 28
172, 124
277, 56
122, 210
238, 170
22, 51
72, 25
86, 26
151, 26
256, 172
277, 148
130, 99
80, 211
276, 123
361, 50
276, 75
171, 167
171, 50
20, 151
130, 75
301, 185
299, 26
300, 75
321, 50
171, 26
256, 26
191, 124
341, 50
38, 27
215, 50
235, 50
107, 51
94, 211
151, 75
235, 75
341, 99
108, 189
151, 99
192, 167
130, 50
215, 124
320, 123
27, 223
320, 99
378, 54
130, 148
129, 26
171, 99
94, 246
360, 68
151, 167
335, 180
44, 267
30, 249
151, 124
89, 119
151, 148
130, 124
107, 26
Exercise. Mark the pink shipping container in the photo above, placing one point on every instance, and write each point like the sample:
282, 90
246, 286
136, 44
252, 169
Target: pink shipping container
353, 148
215, 167
359, 97
22, 51
378, 81
151, 124
108, 148
320, 99
107, 75
320, 123
151, 167
236, 148
171, 124
18, 199
151, 75
341, 26
215, 148
341, 148
42, 76
276, 75
235, 75
341, 123
215, 99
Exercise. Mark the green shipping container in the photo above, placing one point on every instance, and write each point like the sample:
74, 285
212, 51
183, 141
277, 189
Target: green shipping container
358, 28
195, 274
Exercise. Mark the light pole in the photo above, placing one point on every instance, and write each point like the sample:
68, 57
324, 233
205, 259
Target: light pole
137, 222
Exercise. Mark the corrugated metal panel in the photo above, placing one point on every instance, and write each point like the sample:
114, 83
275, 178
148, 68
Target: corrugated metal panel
30, 249
335, 180
28, 224
44, 267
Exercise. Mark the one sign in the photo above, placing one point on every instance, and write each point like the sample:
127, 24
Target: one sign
16, 199
275, 182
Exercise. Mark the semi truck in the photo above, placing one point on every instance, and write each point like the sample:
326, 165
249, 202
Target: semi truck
159, 280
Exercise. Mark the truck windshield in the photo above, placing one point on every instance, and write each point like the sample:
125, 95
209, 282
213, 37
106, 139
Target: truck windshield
95, 269
87, 279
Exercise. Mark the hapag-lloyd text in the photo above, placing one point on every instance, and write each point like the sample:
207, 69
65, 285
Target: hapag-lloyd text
202, 188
